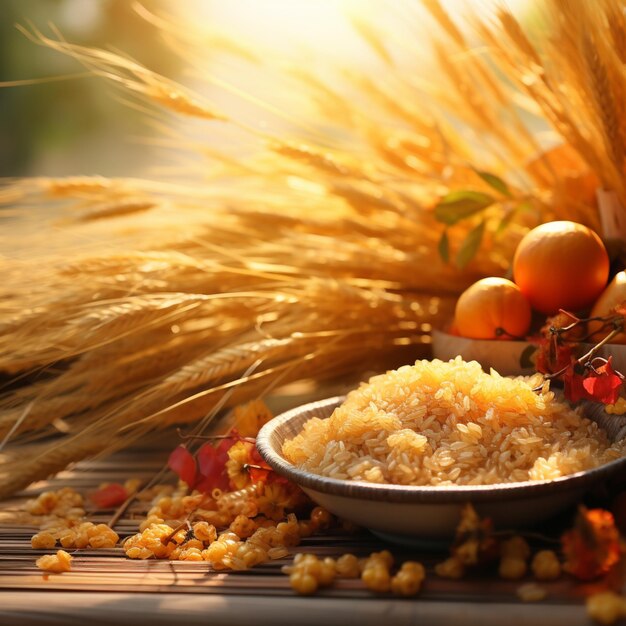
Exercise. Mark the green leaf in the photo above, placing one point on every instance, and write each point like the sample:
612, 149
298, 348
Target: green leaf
495, 182
444, 246
525, 359
470, 245
525, 207
458, 205
505, 221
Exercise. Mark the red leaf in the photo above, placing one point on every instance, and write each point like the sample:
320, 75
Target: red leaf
259, 474
207, 471
574, 385
266, 474
604, 384
226, 444
215, 481
257, 459
207, 459
110, 496
552, 356
211, 464
183, 464
563, 357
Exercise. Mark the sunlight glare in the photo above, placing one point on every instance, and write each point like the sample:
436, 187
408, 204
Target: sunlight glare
281, 23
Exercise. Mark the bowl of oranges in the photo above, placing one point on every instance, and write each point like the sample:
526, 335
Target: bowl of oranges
558, 266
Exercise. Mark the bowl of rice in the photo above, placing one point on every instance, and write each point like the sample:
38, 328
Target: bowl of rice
405, 451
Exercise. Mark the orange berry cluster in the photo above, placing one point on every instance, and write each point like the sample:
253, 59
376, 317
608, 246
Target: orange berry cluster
514, 555
57, 563
245, 542
83, 535
308, 573
63, 503
376, 574
606, 607
221, 508
61, 518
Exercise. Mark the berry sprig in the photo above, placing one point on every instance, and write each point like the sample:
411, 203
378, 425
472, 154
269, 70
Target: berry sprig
588, 377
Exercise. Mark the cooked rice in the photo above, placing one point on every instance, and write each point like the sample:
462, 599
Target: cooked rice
443, 423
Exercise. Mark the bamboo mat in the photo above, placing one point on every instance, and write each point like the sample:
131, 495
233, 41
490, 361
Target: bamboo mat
106, 588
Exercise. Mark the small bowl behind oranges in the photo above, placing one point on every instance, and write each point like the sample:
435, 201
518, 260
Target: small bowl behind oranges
508, 358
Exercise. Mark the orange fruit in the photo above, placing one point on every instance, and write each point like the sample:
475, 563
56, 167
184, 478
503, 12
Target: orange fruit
561, 265
490, 306
605, 305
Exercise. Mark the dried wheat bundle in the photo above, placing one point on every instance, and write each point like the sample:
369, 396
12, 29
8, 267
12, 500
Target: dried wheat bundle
574, 75
312, 255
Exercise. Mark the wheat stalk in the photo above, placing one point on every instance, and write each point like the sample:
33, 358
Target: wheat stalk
162, 300
616, 21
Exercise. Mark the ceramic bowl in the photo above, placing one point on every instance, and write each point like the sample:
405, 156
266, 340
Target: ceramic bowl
419, 515
506, 357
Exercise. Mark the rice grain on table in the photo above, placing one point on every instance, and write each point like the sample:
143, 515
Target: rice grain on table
443, 423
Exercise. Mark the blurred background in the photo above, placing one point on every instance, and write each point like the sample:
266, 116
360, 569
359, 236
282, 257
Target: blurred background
78, 125
74, 125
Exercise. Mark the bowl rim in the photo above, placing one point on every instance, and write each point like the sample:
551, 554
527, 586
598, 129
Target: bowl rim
442, 332
411, 493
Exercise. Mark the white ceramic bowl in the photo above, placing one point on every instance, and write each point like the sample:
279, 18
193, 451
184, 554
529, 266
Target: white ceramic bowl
414, 515
506, 357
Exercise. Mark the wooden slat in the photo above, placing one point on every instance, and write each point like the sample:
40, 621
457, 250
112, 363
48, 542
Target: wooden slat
96, 609
119, 587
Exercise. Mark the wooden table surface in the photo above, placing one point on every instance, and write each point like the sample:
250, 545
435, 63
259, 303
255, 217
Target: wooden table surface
104, 587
